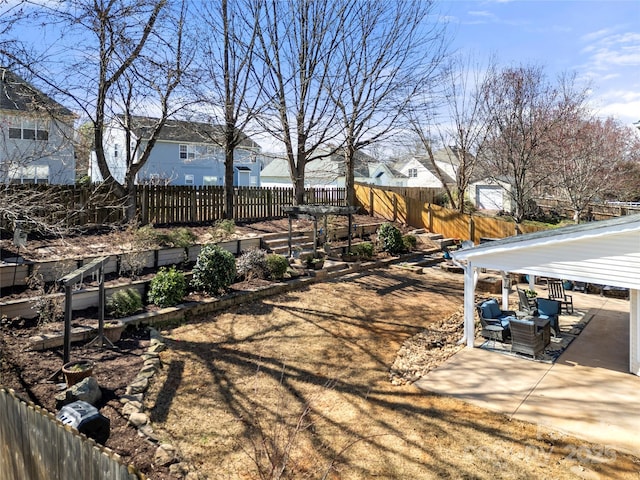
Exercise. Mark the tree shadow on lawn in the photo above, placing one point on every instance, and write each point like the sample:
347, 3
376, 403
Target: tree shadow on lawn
324, 376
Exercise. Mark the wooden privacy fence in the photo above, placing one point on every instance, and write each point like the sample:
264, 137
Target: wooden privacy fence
71, 206
393, 206
34, 445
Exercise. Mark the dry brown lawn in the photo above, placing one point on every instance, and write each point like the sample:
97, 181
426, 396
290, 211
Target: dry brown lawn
299, 384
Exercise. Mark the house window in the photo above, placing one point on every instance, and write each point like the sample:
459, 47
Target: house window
187, 152
208, 180
188, 179
116, 147
30, 130
413, 172
31, 174
254, 180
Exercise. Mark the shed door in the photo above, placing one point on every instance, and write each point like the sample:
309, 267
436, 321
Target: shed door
489, 197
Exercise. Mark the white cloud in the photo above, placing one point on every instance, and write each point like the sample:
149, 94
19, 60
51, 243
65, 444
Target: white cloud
621, 104
611, 50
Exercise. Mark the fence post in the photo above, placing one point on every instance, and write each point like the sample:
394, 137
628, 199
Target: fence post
472, 229
144, 208
194, 201
429, 217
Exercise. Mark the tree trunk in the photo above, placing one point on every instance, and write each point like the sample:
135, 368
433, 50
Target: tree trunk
228, 181
349, 176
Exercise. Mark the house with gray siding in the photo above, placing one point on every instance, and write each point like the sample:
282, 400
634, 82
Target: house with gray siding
186, 153
323, 171
36, 135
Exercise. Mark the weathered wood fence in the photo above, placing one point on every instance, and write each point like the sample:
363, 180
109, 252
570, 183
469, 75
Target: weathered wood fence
34, 445
71, 206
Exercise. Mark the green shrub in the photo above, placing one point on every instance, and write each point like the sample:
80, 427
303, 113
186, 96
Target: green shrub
277, 265
181, 237
124, 303
253, 264
364, 249
390, 238
214, 271
147, 237
409, 242
167, 288
222, 230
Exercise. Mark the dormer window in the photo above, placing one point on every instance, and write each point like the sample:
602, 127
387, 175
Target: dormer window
413, 172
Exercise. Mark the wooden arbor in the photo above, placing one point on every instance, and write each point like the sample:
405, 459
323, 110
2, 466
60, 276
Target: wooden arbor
319, 211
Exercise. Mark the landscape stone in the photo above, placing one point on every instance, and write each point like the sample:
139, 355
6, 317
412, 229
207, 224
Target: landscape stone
139, 385
165, 455
87, 390
132, 407
138, 419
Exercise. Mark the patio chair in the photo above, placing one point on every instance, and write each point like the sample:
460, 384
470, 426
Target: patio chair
549, 310
494, 321
526, 337
527, 306
556, 292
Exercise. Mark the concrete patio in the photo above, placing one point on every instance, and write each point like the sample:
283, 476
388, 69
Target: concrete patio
587, 393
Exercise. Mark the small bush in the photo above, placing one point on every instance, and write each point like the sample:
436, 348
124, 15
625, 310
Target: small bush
148, 237
409, 242
214, 271
222, 230
182, 237
364, 249
124, 303
390, 239
277, 265
253, 264
167, 288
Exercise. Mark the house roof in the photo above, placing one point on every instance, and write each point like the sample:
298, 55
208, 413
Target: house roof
439, 156
184, 131
605, 252
16, 94
323, 167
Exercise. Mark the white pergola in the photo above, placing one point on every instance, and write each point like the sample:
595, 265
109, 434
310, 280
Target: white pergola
605, 253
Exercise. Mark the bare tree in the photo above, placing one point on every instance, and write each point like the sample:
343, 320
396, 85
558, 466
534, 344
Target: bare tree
229, 85
463, 129
388, 52
111, 57
522, 109
591, 157
298, 41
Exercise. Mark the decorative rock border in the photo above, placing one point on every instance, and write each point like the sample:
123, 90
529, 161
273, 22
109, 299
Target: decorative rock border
133, 408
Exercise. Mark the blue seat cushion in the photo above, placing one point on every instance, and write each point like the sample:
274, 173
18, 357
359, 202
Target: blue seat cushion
485, 308
491, 309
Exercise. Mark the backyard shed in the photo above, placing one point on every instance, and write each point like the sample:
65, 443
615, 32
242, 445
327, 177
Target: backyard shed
604, 253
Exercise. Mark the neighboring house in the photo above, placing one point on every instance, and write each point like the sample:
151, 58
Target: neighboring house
36, 135
323, 172
185, 153
490, 194
420, 172
382, 174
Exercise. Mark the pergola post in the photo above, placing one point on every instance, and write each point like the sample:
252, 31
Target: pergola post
634, 331
469, 305
506, 287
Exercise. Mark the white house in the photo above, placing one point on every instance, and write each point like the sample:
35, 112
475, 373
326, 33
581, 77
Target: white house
420, 171
605, 252
36, 135
185, 153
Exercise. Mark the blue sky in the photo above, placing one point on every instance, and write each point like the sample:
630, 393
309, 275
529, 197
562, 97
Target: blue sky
598, 39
